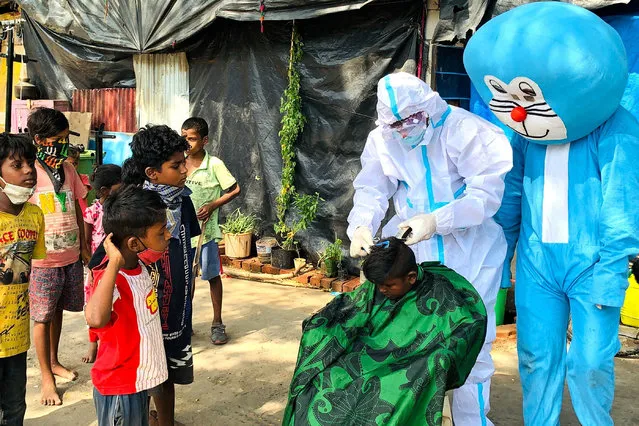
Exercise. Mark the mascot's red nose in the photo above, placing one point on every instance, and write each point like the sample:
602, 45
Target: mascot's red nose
518, 114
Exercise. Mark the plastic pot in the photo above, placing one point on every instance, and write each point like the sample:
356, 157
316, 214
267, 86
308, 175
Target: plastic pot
282, 259
264, 249
238, 246
330, 268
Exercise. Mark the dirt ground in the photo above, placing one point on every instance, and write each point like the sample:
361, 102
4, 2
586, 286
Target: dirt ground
246, 381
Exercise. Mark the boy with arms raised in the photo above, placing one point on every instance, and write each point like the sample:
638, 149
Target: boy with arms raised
123, 310
208, 178
21, 239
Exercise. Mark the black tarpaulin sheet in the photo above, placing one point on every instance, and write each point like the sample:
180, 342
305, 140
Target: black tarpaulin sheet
64, 64
460, 18
152, 25
237, 78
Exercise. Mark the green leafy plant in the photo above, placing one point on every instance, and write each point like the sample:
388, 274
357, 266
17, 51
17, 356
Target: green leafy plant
292, 125
333, 251
331, 258
304, 212
240, 223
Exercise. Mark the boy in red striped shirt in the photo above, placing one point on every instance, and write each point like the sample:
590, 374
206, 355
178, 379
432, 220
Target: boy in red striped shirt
123, 309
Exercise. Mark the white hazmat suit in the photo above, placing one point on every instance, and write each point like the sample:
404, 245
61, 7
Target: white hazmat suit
446, 179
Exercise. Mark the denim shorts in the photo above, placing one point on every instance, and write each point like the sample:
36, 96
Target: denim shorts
209, 260
122, 410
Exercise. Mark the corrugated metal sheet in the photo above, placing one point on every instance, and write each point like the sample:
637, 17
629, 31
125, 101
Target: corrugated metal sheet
162, 82
116, 108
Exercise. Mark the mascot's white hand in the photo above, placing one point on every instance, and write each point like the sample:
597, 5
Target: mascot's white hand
423, 227
361, 242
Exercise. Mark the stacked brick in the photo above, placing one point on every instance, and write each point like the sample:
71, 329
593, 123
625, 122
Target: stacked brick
312, 279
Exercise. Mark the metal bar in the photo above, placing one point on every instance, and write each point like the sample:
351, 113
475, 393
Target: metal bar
7, 113
451, 73
99, 144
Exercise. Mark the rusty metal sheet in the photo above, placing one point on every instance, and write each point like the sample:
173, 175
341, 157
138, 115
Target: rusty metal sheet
116, 108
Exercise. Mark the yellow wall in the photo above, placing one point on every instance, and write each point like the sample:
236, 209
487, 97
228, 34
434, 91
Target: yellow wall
3, 86
17, 66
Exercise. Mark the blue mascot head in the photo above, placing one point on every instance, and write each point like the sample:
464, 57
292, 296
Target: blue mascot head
551, 71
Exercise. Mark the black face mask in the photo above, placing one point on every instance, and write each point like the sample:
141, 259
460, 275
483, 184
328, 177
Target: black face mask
51, 155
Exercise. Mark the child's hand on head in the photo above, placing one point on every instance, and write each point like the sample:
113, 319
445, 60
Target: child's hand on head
112, 252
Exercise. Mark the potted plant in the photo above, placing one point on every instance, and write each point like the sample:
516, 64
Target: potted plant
238, 231
332, 258
305, 211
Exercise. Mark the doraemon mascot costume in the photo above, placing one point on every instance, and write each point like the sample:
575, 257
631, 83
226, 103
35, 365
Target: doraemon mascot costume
555, 73
444, 168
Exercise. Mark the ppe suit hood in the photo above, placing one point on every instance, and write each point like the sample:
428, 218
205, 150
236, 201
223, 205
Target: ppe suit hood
401, 95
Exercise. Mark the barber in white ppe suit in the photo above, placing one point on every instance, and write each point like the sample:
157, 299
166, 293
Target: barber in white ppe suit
444, 168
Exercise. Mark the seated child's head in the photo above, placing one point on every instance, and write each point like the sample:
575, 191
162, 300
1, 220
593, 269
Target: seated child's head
73, 156
158, 152
196, 132
49, 128
17, 168
391, 266
131, 173
106, 179
137, 219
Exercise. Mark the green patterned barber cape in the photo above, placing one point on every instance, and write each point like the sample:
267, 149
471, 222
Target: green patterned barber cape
367, 360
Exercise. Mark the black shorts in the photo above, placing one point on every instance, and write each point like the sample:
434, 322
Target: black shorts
181, 375
179, 362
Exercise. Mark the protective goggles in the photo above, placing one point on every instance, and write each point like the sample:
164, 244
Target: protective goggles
408, 123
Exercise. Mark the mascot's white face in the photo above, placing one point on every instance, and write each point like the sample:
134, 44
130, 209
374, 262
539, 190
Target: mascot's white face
521, 106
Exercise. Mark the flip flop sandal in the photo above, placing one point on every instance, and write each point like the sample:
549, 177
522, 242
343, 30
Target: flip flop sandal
218, 334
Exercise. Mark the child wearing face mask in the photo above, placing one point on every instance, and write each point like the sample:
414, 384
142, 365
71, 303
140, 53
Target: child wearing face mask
21, 240
159, 153
158, 165
123, 310
56, 281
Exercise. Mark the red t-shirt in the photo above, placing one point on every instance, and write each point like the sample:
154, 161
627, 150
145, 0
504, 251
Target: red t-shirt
131, 352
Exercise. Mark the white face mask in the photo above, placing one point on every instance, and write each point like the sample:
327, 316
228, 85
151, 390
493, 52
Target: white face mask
16, 194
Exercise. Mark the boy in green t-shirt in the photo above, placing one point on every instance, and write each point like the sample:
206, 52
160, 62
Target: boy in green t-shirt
212, 186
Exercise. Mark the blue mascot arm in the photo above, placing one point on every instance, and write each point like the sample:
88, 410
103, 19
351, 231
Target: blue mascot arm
618, 218
509, 215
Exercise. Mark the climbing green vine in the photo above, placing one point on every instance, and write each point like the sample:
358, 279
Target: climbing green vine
292, 125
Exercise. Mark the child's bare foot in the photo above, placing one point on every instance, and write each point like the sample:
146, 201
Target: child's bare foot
50, 395
89, 357
63, 372
153, 418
